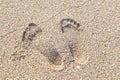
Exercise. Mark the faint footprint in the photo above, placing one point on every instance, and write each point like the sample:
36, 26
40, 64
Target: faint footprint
28, 36
73, 38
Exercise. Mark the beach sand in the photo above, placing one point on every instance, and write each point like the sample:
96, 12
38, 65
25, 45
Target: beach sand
99, 42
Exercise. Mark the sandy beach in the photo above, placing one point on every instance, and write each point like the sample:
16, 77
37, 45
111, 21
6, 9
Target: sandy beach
59, 40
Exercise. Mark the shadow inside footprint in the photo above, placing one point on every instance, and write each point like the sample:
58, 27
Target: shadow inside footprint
53, 57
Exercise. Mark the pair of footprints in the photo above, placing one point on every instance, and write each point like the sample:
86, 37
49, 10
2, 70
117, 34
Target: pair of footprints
52, 54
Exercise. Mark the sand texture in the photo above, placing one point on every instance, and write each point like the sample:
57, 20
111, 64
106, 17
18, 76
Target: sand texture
59, 39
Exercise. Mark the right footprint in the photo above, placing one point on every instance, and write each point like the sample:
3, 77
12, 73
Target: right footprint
71, 30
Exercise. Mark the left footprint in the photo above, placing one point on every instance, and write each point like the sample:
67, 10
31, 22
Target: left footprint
27, 37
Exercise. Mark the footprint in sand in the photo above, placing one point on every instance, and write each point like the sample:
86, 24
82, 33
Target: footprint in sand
59, 47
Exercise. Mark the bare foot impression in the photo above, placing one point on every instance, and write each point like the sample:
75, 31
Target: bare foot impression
59, 47
28, 36
69, 23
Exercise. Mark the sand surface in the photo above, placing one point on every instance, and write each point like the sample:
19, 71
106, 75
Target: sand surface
99, 39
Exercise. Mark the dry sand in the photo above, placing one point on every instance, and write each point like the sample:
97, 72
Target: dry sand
99, 39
